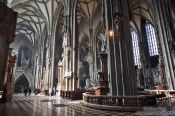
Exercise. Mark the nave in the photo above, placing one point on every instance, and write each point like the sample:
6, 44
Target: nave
113, 54
50, 106
54, 106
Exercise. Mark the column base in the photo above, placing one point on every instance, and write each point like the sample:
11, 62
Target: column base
9, 93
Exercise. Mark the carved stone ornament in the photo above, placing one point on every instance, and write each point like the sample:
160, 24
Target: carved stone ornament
89, 58
117, 18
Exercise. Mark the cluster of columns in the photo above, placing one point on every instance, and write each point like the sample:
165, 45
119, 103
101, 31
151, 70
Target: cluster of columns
52, 73
69, 62
164, 10
122, 81
7, 22
120, 71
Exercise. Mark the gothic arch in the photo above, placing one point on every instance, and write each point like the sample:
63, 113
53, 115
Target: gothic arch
138, 10
100, 35
23, 76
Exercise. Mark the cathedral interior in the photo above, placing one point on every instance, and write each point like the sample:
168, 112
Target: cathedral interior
114, 55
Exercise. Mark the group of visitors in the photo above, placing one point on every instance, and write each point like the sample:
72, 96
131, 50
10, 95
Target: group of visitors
50, 92
24, 90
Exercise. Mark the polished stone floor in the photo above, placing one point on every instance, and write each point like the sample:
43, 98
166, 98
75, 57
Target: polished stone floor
54, 106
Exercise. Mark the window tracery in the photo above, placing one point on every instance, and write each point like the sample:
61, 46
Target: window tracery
135, 47
151, 39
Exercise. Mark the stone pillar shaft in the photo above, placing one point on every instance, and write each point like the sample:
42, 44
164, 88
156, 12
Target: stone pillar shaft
8, 20
161, 10
121, 68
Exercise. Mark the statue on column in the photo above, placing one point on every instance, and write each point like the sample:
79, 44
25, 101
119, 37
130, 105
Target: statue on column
101, 79
10, 67
163, 81
11, 64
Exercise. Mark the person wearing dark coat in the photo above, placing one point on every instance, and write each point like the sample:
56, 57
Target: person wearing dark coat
30, 91
25, 91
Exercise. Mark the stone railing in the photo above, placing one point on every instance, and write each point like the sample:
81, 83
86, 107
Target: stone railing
168, 100
125, 101
72, 95
164, 98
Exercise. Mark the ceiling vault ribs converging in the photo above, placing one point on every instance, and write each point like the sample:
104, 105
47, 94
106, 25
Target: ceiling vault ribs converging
34, 16
86, 9
37, 15
138, 10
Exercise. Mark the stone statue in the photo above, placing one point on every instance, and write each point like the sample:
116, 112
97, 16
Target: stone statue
88, 85
100, 76
11, 64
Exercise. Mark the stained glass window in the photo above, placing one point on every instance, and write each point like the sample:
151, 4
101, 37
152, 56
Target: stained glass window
135, 47
151, 39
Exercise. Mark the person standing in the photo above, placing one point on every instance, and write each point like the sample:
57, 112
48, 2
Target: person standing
29, 91
25, 91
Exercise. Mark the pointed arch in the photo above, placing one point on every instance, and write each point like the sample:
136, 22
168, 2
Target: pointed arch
27, 80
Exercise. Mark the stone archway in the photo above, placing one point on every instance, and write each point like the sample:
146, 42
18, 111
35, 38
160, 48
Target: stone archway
20, 83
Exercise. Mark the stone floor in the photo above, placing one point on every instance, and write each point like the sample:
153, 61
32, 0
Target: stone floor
54, 106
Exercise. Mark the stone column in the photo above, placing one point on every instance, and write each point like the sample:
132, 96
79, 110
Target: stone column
7, 33
36, 75
170, 15
46, 78
70, 44
75, 51
67, 63
161, 66
165, 39
43, 85
48, 68
10, 69
121, 62
110, 48
67, 54
90, 56
60, 75
49, 80
145, 57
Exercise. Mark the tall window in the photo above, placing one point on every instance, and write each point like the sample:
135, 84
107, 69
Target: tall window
135, 47
151, 38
